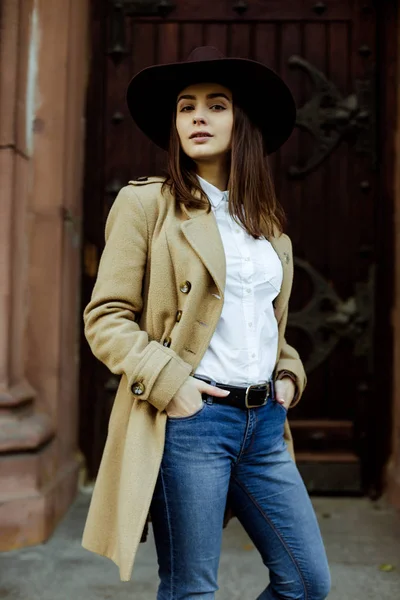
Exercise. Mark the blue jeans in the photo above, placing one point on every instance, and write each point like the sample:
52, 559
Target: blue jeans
224, 452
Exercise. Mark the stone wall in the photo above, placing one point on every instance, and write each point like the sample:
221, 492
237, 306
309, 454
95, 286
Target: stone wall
43, 71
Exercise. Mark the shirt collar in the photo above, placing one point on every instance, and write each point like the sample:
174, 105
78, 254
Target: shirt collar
213, 193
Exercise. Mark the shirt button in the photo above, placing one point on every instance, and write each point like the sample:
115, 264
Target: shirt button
138, 388
253, 355
248, 291
247, 259
250, 324
178, 316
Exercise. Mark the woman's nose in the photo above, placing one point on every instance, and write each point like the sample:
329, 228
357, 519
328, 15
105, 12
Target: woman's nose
197, 119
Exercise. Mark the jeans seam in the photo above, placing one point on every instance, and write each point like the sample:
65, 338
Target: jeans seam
167, 511
242, 449
253, 433
276, 532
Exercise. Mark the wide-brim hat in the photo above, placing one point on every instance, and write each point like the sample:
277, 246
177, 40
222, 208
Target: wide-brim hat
257, 89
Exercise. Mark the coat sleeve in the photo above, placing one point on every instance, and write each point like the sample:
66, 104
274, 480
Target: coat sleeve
289, 360
110, 317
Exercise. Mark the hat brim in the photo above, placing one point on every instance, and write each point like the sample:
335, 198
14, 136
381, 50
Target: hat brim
261, 93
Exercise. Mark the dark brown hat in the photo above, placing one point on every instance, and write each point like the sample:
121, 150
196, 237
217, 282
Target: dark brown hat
261, 93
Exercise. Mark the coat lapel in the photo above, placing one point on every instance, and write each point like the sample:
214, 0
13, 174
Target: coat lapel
202, 233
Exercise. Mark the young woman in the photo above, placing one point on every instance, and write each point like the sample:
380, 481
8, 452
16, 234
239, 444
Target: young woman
190, 307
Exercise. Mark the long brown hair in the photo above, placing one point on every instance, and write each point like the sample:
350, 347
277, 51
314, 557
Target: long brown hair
252, 199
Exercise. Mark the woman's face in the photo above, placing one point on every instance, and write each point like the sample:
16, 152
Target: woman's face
204, 121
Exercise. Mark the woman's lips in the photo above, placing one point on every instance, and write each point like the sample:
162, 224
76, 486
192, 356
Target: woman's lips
201, 139
200, 136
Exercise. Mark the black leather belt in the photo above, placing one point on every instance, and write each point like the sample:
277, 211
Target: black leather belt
252, 396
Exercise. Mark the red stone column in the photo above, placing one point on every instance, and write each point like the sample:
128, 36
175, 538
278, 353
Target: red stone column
42, 90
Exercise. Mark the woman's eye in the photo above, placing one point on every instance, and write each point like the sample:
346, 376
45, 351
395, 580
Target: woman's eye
214, 107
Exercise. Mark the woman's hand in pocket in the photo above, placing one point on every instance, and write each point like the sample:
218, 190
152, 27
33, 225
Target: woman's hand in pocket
284, 391
187, 400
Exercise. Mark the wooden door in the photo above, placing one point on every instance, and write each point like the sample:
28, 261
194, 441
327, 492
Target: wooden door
325, 177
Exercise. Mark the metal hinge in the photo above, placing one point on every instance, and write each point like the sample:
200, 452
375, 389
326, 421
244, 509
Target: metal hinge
330, 117
141, 8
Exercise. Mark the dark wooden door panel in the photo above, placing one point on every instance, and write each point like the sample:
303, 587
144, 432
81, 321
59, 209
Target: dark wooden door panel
330, 207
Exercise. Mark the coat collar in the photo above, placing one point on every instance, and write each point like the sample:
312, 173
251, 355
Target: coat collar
202, 233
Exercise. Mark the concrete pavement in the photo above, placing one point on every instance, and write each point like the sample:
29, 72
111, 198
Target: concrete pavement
362, 540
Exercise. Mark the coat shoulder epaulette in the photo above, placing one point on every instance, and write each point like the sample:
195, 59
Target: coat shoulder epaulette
146, 180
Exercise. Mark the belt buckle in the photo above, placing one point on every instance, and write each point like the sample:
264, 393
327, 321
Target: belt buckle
257, 385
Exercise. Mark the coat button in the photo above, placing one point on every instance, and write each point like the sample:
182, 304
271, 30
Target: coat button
178, 316
185, 287
167, 342
138, 388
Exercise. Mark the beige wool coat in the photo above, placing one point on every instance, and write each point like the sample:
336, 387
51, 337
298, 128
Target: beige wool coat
154, 308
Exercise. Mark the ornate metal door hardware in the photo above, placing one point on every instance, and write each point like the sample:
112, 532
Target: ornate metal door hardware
117, 45
330, 118
144, 8
240, 6
112, 190
326, 318
319, 8
121, 8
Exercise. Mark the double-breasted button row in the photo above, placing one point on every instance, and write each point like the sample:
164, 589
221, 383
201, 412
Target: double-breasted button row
185, 287
167, 342
138, 388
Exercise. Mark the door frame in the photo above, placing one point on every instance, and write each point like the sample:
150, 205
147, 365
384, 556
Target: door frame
380, 418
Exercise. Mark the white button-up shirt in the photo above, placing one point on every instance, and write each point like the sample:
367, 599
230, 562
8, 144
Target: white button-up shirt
243, 348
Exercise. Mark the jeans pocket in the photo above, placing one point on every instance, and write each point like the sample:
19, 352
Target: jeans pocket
189, 417
281, 407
